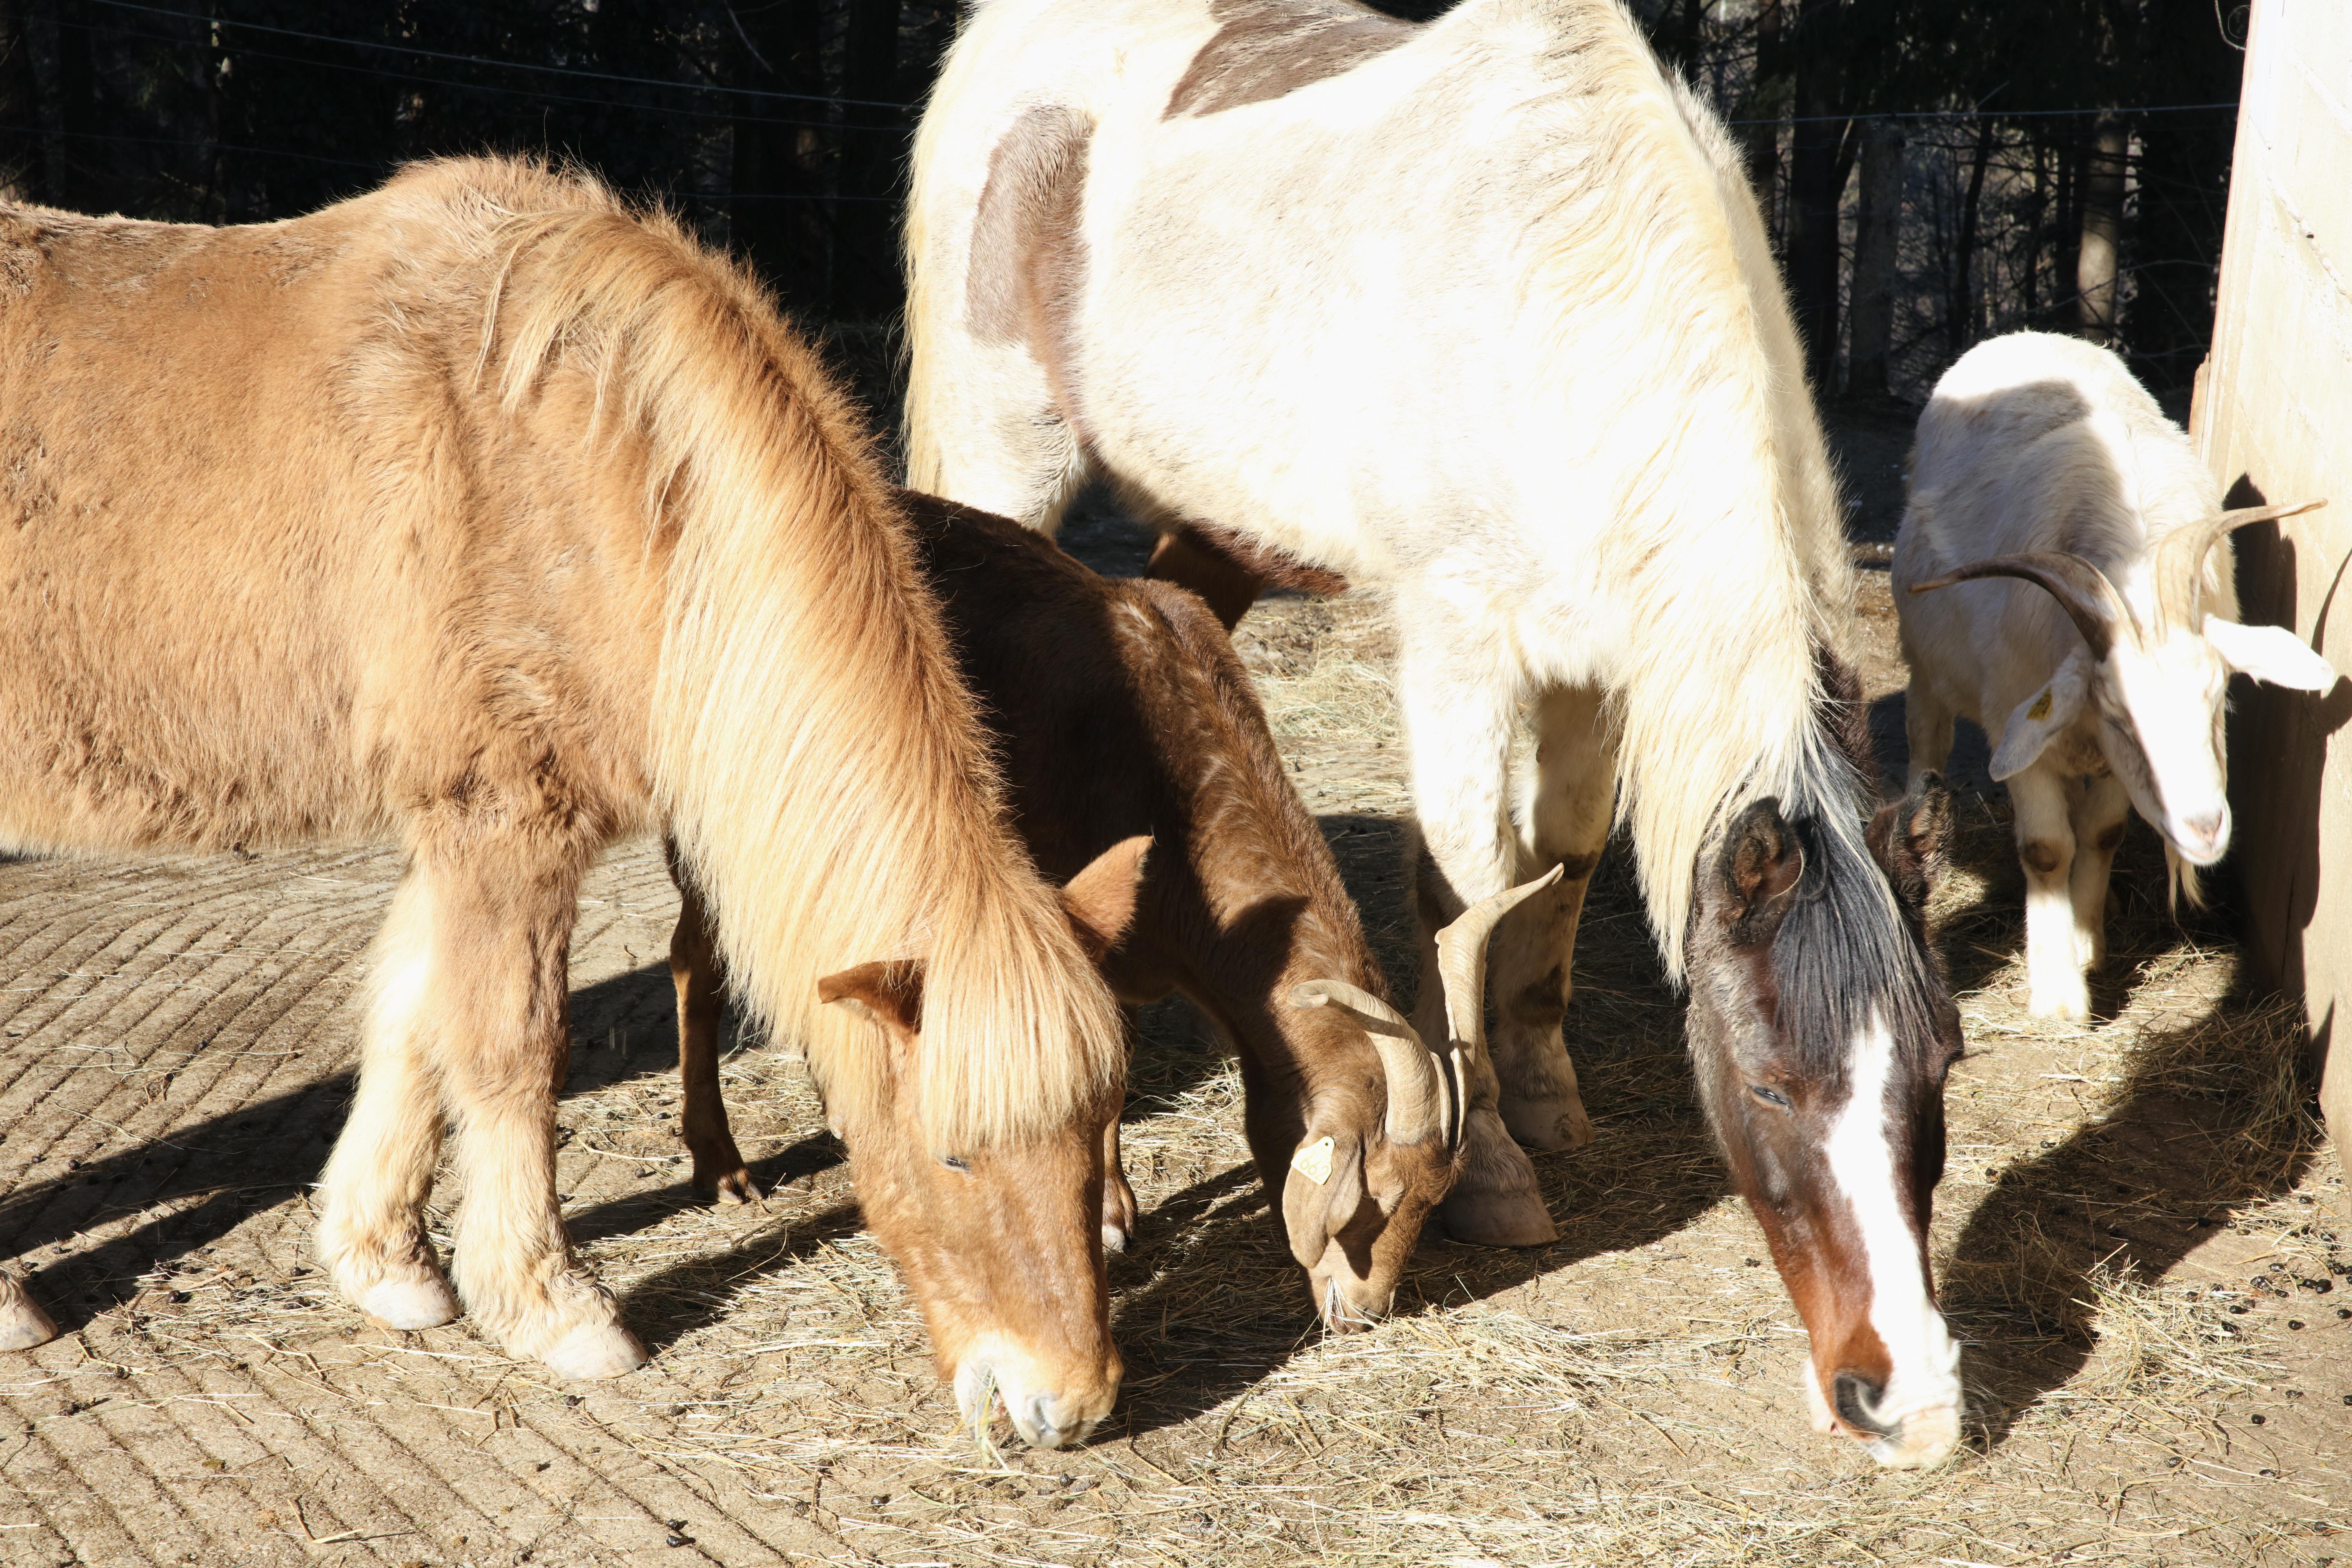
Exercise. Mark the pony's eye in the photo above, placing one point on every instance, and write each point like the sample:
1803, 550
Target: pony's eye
955, 1162
1768, 1096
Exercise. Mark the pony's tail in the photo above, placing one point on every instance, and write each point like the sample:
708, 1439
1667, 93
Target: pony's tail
819, 762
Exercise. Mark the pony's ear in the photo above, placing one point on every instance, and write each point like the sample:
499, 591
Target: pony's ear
1762, 860
1907, 838
2040, 719
891, 994
1100, 899
2270, 654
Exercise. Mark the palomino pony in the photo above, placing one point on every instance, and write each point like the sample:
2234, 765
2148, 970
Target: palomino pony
1123, 719
481, 516
1480, 313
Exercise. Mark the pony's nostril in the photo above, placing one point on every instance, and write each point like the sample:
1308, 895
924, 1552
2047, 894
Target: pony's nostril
1857, 1402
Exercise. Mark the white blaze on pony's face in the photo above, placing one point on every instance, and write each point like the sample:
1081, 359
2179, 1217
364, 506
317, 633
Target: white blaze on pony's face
1825, 1085
1002, 1245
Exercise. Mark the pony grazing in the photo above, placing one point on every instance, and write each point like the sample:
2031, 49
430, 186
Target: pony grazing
481, 516
1123, 719
1480, 313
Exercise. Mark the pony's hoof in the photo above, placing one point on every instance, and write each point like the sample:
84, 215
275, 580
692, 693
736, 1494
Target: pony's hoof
23, 1325
410, 1304
735, 1187
1498, 1219
1115, 1237
594, 1351
1549, 1126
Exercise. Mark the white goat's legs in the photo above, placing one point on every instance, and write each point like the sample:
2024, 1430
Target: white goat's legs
2045, 848
370, 1236
1460, 708
1566, 824
2098, 820
1927, 724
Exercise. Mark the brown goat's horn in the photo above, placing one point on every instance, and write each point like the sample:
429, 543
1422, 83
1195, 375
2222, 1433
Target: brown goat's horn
1418, 1097
2080, 588
1462, 966
2180, 557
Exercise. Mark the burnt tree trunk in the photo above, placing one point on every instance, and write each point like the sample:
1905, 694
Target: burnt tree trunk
1874, 259
1960, 321
776, 187
1760, 112
2102, 224
866, 284
20, 108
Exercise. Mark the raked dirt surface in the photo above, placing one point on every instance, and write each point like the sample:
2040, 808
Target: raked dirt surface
2137, 1240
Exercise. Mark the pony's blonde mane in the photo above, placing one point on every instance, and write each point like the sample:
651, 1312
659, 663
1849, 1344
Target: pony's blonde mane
1728, 528
819, 760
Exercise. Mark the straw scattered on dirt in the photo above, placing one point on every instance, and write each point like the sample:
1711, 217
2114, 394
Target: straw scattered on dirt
2138, 1239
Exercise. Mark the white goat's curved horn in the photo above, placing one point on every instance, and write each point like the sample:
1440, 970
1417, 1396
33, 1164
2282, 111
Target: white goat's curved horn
1462, 966
2180, 557
2081, 589
1417, 1090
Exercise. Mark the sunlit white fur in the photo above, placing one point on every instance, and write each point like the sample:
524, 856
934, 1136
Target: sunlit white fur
1920, 1406
2035, 442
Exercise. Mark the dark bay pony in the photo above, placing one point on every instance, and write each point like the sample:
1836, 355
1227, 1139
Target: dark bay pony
482, 516
1123, 719
1480, 313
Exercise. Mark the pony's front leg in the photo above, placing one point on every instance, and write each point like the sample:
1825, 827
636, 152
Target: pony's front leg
2046, 849
1460, 713
697, 972
1567, 826
502, 915
371, 1237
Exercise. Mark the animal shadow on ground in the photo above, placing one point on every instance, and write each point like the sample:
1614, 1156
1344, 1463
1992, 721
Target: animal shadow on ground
2214, 1115
208, 1178
1209, 1302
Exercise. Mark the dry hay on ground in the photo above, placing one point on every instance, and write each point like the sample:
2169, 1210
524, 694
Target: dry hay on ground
176, 1045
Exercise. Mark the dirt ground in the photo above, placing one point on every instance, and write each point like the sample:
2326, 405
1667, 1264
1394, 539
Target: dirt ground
2137, 1240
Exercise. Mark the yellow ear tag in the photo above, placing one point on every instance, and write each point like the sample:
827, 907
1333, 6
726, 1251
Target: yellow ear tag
2041, 709
1313, 1161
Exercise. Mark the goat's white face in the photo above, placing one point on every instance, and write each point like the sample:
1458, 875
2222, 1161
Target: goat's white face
2157, 704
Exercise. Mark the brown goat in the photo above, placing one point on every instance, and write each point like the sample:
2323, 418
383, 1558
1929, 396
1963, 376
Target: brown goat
1123, 717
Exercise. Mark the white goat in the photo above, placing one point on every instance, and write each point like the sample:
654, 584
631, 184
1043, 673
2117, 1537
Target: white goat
2039, 458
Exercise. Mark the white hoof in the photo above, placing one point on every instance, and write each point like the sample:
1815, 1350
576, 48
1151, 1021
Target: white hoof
1114, 1238
2071, 1004
410, 1304
594, 1351
23, 1325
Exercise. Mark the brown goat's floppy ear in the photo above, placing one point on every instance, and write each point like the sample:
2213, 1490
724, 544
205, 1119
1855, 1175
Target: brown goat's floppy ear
1100, 900
1321, 1191
891, 994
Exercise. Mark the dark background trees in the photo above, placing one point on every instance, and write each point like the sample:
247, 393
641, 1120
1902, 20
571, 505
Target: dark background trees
1932, 170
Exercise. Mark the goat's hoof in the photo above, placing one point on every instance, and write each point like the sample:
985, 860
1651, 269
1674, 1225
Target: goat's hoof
596, 1350
409, 1304
1549, 1126
1498, 1219
2068, 1006
23, 1325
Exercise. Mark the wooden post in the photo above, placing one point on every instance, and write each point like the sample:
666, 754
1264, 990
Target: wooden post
2272, 405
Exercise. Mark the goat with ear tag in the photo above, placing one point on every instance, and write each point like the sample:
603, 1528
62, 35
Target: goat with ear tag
2042, 462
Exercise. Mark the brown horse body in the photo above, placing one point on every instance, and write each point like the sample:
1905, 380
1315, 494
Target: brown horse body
1121, 713
481, 516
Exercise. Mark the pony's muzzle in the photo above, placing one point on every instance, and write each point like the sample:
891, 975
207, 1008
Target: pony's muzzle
1045, 1416
1857, 1404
